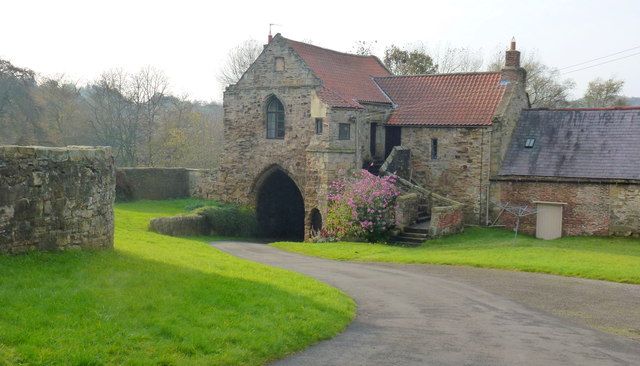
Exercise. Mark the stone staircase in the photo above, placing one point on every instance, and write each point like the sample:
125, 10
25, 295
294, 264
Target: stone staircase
448, 215
417, 233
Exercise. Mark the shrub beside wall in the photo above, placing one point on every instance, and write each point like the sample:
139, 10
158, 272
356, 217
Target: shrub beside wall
230, 220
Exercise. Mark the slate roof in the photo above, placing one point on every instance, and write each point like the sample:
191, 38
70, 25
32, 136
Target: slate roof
602, 144
347, 79
461, 99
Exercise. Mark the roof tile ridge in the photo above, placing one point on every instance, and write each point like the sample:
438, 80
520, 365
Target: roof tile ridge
438, 74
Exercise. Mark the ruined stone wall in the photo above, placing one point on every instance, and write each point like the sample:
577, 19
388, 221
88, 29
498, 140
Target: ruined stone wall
591, 208
165, 183
152, 183
461, 170
56, 198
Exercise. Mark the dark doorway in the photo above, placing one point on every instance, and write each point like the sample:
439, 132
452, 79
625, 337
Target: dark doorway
391, 139
372, 140
280, 208
316, 221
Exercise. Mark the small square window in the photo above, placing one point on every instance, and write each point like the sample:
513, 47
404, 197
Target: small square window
434, 149
529, 143
319, 126
344, 131
279, 63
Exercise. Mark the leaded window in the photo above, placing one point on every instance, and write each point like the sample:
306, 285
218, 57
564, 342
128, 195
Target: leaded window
275, 119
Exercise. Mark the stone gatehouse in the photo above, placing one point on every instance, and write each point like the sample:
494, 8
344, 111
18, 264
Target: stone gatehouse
303, 116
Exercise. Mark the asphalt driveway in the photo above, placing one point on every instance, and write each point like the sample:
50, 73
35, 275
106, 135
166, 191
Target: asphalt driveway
439, 315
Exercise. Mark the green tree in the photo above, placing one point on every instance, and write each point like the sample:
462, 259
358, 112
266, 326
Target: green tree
603, 93
408, 62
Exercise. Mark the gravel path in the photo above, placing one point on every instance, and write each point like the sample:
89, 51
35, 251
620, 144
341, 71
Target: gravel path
439, 315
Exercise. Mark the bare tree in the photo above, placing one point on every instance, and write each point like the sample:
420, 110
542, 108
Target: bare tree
364, 48
238, 61
147, 91
456, 59
114, 117
63, 112
544, 84
603, 93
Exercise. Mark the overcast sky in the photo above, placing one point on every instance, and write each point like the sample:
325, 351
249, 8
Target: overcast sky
190, 39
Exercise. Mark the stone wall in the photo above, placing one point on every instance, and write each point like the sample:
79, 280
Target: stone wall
406, 210
164, 183
152, 183
202, 183
591, 208
311, 160
56, 198
446, 220
461, 170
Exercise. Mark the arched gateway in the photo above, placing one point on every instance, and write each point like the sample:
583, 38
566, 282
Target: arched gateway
279, 206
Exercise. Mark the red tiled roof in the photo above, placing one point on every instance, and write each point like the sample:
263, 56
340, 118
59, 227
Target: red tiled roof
347, 79
465, 99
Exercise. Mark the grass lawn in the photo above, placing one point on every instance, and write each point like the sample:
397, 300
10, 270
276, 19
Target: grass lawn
612, 259
158, 300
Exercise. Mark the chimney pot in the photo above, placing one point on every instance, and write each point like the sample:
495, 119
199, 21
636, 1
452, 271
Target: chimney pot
512, 56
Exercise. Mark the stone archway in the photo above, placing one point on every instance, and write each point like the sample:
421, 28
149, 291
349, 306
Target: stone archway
280, 207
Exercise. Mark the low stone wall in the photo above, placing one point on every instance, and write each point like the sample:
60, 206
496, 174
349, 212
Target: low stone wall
446, 220
56, 198
591, 208
406, 211
185, 225
164, 183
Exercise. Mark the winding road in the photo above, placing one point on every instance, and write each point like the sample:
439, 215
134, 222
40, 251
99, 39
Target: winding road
440, 315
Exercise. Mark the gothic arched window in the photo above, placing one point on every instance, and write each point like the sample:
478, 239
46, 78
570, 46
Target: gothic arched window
275, 119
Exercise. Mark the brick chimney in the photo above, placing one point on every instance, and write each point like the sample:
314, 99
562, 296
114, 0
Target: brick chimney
512, 72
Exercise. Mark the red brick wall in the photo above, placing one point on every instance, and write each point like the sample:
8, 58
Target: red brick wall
587, 211
446, 220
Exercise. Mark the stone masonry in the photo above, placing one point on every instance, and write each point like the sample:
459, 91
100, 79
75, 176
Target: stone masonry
311, 160
467, 159
56, 198
592, 208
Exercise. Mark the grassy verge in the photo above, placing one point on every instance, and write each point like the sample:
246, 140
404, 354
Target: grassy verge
158, 300
612, 259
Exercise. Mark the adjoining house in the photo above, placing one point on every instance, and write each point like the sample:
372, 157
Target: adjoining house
303, 116
588, 160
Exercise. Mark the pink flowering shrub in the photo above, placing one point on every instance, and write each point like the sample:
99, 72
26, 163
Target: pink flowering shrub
362, 207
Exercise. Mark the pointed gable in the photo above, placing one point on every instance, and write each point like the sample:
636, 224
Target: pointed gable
347, 79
